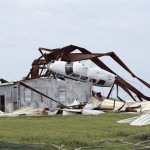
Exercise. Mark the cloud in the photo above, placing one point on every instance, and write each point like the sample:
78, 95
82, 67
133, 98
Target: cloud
99, 25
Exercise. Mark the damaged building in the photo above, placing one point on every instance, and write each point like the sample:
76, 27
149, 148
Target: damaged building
58, 77
42, 93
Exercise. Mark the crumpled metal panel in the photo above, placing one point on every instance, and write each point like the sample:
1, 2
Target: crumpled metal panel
138, 120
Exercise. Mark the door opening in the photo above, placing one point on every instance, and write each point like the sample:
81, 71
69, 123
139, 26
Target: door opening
2, 103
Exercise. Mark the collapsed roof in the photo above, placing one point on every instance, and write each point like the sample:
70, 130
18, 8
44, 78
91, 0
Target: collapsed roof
66, 54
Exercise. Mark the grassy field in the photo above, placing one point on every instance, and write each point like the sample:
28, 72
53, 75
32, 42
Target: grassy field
72, 132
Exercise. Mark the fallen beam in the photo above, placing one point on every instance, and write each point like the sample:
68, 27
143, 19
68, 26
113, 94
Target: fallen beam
31, 88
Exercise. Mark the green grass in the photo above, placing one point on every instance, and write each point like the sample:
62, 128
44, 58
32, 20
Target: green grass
97, 132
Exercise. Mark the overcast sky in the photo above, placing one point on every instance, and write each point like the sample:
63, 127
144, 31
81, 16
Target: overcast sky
122, 26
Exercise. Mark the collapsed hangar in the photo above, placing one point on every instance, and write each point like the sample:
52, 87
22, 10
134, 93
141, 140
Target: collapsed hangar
46, 89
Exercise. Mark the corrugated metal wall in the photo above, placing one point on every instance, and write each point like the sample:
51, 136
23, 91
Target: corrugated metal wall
7, 92
62, 91
17, 96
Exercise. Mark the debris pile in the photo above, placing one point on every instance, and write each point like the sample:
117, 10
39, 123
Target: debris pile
25, 111
63, 64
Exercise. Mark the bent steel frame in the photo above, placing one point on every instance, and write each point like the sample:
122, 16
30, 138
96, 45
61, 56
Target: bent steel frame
65, 54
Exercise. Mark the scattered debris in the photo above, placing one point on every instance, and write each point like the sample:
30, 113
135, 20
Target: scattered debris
28, 111
58, 83
141, 120
91, 112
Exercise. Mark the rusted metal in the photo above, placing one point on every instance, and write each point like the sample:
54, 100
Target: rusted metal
66, 54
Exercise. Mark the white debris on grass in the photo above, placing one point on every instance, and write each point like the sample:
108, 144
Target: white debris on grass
91, 112
141, 120
27, 111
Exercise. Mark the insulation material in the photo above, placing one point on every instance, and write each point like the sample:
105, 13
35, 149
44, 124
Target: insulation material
115, 105
141, 106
